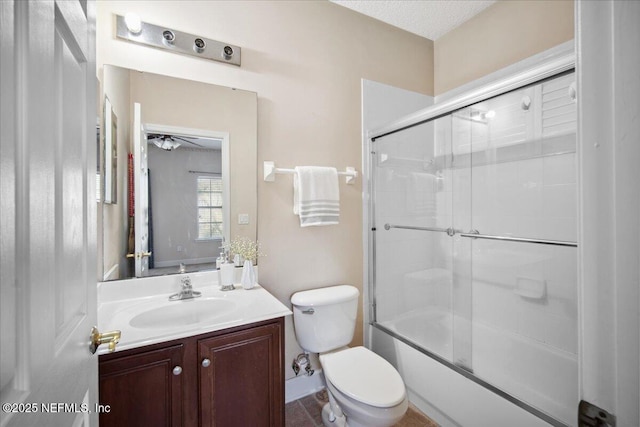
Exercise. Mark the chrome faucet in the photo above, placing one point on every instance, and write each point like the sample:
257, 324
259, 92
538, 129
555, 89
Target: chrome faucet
186, 292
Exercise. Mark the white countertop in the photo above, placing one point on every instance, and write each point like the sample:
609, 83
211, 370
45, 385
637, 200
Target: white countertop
120, 302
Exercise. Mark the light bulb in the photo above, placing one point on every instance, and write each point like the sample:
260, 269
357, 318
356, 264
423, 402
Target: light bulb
133, 22
490, 114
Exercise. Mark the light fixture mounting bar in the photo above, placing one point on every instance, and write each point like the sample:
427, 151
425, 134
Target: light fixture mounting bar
179, 42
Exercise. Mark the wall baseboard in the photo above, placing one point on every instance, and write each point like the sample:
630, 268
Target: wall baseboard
303, 385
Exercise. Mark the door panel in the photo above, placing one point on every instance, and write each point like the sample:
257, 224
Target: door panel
48, 153
70, 292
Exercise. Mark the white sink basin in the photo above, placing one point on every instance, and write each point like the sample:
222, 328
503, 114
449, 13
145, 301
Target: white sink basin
183, 313
140, 309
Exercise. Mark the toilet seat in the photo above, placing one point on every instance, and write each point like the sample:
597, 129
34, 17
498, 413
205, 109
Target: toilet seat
364, 376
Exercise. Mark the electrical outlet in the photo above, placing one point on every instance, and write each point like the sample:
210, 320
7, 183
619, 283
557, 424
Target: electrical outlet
243, 219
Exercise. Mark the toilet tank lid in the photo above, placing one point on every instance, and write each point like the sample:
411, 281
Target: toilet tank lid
324, 296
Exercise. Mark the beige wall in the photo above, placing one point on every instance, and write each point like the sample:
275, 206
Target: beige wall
112, 232
502, 34
305, 60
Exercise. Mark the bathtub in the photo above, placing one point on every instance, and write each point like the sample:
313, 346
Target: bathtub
520, 368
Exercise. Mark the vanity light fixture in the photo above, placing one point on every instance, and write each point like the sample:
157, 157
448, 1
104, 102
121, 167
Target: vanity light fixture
131, 28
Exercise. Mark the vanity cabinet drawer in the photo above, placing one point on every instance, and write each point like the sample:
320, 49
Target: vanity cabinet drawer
143, 389
227, 378
241, 378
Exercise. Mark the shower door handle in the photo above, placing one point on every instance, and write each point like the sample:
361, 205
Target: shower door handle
450, 231
475, 235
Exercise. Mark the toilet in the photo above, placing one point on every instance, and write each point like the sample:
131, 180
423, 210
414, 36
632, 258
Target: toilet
364, 389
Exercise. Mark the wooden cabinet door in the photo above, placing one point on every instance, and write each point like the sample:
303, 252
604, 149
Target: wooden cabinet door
143, 389
241, 384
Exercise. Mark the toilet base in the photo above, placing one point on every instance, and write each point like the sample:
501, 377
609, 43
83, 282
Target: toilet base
339, 421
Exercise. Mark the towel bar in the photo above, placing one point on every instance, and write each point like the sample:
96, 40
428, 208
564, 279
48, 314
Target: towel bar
270, 171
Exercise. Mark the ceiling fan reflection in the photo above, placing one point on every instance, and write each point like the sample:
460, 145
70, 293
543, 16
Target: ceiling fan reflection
169, 142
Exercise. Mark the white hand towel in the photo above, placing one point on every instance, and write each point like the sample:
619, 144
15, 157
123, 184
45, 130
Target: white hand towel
316, 195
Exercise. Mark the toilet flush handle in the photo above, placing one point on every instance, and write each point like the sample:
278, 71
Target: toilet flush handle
309, 310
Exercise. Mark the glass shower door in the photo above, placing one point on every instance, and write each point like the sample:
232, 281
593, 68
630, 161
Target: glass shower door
414, 191
475, 253
523, 203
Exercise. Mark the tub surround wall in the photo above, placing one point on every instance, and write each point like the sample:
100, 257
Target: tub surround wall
306, 61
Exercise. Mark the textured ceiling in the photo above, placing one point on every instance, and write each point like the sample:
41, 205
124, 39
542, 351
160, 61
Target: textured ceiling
426, 18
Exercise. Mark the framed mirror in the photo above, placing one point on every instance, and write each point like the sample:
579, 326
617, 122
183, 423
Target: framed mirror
185, 173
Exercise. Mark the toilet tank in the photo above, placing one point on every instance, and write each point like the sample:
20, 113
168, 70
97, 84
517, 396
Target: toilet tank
325, 319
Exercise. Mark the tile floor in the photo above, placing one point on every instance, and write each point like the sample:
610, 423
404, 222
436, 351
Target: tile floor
306, 412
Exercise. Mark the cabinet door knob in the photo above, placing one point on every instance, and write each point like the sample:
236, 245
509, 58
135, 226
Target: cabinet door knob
206, 363
177, 370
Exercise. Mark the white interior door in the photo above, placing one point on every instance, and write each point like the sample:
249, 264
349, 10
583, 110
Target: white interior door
141, 191
48, 213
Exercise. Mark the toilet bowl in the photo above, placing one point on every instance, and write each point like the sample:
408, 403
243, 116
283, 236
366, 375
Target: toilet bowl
367, 389
364, 389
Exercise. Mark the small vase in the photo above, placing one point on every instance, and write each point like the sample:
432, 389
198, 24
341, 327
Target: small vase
248, 279
238, 260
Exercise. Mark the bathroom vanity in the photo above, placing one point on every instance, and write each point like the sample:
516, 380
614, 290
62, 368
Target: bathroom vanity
214, 360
